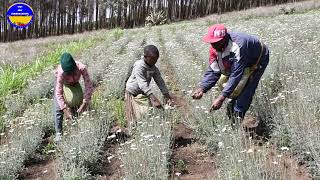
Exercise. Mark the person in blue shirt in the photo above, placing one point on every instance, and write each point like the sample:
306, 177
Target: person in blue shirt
230, 54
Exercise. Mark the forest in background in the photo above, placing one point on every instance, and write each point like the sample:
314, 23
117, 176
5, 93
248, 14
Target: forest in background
57, 17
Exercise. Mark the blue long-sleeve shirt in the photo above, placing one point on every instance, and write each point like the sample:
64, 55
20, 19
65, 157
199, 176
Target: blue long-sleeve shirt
242, 51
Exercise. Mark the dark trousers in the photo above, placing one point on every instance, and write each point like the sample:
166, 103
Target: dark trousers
241, 104
58, 113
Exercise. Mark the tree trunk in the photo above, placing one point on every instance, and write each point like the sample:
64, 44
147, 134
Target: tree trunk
125, 18
97, 14
119, 14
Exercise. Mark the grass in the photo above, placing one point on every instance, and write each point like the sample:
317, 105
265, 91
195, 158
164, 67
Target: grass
26, 51
117, 106
257, 13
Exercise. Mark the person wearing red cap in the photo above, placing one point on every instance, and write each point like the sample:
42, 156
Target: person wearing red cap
231, 55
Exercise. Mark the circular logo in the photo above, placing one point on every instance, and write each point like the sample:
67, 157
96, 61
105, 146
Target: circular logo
20, 15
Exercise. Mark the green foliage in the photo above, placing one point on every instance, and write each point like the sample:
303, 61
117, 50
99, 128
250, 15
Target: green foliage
117, 107
118, 33
181, 166
48, 148
209, 22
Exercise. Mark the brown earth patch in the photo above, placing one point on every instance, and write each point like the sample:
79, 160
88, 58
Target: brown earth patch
193, 162
111, 169
4, 139
286, 166
44, 170
181, 103
250, 121
41, 166
190, 160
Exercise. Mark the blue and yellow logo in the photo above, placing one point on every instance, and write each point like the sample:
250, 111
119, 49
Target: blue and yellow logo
20, 15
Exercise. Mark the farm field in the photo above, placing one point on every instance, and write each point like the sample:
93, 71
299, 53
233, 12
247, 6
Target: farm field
183, 142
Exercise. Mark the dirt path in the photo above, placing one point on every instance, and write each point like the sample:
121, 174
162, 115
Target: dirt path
111, 163
43, 170
190, 160
4, 138
289, 167
41, 166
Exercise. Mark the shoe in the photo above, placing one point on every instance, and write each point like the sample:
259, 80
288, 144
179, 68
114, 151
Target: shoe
57, 139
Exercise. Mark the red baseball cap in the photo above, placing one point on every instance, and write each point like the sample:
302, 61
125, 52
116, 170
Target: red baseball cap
215, 33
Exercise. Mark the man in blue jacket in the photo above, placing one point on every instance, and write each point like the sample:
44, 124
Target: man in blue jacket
230, 54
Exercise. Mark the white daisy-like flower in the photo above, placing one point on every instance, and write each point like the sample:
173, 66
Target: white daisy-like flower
112, 136
110, 157
284, 148
250, 151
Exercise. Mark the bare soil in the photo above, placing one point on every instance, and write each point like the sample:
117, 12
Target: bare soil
111, 170
190, 160
40, 167
44, 170
4, 139
287, 165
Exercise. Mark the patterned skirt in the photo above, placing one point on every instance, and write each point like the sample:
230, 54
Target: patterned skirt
135, 108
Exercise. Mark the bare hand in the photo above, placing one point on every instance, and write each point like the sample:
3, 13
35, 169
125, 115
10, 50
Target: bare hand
198, 93
155, 102
83, 107
217, 103
67, 113
168, 99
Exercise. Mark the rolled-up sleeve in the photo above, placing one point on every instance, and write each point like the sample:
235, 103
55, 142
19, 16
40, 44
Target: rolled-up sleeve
160, 82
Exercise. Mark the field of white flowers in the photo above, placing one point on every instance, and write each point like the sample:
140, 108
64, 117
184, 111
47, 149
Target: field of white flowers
286, 104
